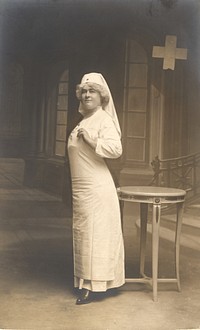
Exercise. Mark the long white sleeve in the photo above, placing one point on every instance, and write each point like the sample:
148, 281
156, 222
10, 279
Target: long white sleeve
108, 142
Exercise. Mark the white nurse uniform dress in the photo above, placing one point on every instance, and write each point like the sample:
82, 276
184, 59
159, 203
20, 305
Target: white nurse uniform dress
97, 236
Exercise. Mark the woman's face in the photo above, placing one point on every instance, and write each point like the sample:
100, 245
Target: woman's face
90, 98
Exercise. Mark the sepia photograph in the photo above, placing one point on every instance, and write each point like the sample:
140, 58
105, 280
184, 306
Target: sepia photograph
99, 164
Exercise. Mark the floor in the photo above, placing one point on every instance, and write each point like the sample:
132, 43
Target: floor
36, 268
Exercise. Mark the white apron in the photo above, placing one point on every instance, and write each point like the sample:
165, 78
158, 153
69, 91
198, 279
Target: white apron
97, 237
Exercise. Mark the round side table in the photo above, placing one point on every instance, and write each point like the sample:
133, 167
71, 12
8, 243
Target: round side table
156, 196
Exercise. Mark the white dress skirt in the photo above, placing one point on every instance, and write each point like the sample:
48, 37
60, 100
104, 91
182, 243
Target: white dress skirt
98, 247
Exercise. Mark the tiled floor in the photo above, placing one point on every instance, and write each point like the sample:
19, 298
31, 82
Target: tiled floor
36, 269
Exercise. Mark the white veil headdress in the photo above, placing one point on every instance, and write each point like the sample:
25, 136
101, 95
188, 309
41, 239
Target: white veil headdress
97, 78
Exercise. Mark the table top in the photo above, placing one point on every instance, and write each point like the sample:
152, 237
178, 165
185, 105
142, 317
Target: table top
151, 191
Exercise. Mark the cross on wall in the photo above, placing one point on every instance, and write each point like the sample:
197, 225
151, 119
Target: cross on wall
169, 53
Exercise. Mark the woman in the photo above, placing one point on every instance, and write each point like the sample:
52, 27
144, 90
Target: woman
97, 237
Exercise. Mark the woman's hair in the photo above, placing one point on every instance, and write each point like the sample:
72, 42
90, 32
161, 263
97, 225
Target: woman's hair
98, 88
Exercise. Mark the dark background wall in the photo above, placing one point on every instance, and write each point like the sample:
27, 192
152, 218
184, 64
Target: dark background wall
39, 40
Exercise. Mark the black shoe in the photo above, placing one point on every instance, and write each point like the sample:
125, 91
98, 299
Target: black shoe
85, 297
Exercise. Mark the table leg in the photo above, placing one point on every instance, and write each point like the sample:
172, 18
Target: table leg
155, 247
121, 205
143, 234
179, 218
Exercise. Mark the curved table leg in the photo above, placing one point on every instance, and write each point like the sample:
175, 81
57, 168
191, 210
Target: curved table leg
155, 245
180, 207
143, 234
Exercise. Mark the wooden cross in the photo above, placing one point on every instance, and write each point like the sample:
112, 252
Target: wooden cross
170, 53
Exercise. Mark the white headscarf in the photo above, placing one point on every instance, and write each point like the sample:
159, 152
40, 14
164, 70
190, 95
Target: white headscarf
97, 78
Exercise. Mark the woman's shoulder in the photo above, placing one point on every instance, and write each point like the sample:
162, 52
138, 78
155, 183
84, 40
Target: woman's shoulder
100, 120
104, 116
